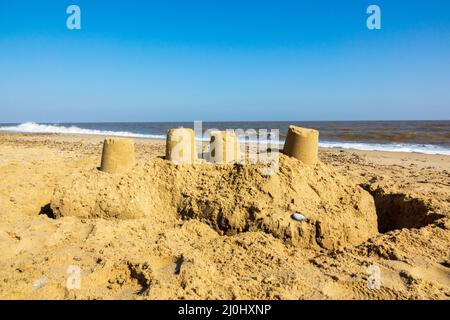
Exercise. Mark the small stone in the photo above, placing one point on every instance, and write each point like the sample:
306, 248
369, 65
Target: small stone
298, 216
40, 283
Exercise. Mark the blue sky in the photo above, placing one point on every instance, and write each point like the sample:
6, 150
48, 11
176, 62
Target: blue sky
167, 60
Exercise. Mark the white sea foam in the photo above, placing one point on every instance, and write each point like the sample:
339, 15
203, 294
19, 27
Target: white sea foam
31, 127
393, 147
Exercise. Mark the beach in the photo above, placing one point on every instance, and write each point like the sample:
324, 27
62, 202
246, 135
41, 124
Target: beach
174, 256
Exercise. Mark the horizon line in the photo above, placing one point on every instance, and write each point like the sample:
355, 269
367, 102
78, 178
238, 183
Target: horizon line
219, 121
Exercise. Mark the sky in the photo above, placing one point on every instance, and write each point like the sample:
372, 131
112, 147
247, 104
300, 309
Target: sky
224, 60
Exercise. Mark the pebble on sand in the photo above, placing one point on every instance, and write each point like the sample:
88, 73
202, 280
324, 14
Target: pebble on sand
298, 216
40, 283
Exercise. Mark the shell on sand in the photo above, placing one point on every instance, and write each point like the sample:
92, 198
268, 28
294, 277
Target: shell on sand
298, 216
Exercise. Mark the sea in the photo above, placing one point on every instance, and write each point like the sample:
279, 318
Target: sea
430, 137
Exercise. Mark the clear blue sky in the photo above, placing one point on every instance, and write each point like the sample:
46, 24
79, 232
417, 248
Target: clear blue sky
166, 60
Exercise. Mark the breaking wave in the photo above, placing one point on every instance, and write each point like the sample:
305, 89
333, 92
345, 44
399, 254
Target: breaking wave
31, 127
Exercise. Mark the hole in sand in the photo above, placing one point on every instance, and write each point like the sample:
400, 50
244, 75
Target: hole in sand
178, 264
142, 274
48, 211
397, 211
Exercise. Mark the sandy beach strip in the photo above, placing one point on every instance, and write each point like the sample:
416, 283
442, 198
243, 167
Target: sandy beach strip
177, 258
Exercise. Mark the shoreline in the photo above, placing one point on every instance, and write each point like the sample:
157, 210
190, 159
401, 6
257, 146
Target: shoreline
419, 138
421, 160
140, 139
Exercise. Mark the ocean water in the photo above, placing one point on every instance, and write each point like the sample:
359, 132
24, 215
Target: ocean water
431, 137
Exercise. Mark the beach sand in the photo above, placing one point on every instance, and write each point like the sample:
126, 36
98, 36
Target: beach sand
167, 255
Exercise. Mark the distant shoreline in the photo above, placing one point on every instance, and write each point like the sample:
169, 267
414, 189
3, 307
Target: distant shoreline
61, 137
415, 136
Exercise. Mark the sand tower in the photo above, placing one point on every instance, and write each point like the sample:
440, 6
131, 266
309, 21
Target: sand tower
180, 146
302, 144
118, 155
224, 147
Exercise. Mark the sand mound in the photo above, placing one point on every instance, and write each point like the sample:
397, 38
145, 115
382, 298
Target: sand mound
230, 198
94, 194
164, 256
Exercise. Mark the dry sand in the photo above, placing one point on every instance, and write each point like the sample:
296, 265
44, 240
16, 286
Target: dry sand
163, 231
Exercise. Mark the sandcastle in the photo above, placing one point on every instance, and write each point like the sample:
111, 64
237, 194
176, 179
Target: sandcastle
231, 199
302, 144
224, 147
118, 155
180, 146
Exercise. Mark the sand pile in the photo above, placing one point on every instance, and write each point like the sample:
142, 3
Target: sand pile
171, 252
230, 198
142, 192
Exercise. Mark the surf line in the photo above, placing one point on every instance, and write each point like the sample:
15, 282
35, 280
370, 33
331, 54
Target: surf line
189, 310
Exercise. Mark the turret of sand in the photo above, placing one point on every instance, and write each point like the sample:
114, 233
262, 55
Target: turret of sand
224, 147
302, 144
180, 146
118, 155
